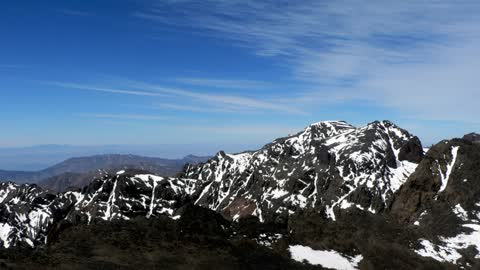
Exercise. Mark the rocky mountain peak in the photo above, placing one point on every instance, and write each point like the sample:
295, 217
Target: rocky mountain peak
330, 165
325, 129
472, 137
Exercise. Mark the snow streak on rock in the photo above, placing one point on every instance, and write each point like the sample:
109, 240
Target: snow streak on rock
445, 177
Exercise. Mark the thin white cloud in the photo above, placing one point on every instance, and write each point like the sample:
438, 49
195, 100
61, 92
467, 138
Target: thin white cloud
196, 108
228, 84
123, 116
104, 89
266, 131
226, 102
230, 100
417, 57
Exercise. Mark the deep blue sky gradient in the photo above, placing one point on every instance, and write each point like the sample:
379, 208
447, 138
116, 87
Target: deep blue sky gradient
53, 52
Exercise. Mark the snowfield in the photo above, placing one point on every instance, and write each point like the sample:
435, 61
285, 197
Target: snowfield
448, 250
325, 258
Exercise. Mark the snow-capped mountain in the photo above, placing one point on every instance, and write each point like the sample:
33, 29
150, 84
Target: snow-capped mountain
28, 212
329, 166
330, 178
128, 195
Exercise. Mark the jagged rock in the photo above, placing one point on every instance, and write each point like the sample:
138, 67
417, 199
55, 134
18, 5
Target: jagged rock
448, 173
472, 137
442, 198
411, 151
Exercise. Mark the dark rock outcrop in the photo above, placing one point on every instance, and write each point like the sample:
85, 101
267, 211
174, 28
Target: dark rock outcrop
449, 174
472, 137
411, 151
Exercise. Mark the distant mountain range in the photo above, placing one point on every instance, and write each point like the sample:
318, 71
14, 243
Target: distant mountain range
39, 157
78, 172
332, 196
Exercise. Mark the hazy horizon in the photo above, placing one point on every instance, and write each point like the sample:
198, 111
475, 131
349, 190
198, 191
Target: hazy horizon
221, 74
34, 158
38, 157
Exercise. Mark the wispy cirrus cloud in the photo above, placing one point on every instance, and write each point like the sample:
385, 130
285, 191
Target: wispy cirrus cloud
104, 89
226, 83
191, 108
123, 116
215, 98
215, 101
417, 57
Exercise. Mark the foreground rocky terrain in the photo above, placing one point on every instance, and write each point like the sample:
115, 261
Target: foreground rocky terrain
332, 196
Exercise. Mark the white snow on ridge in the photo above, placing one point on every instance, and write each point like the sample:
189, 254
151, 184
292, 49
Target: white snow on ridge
5, 230
152, 199
386, 184
5, 193
241, 160
438, 253
446, 177
328, 258
110, 202
400, 174
460, 212
448, 250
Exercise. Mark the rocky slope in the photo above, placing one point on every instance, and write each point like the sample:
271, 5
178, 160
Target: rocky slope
200, 239
442, 198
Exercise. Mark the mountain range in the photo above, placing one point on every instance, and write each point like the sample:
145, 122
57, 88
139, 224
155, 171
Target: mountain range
78, 172
332, 196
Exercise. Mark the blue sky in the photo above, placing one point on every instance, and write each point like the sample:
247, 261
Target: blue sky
231, 74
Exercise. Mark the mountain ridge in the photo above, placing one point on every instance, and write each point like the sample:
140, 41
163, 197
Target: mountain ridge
329, 179
312, 153
88, 166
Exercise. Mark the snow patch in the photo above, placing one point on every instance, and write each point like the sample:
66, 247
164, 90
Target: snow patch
447, 251
5, 230
460, 212
325, 258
